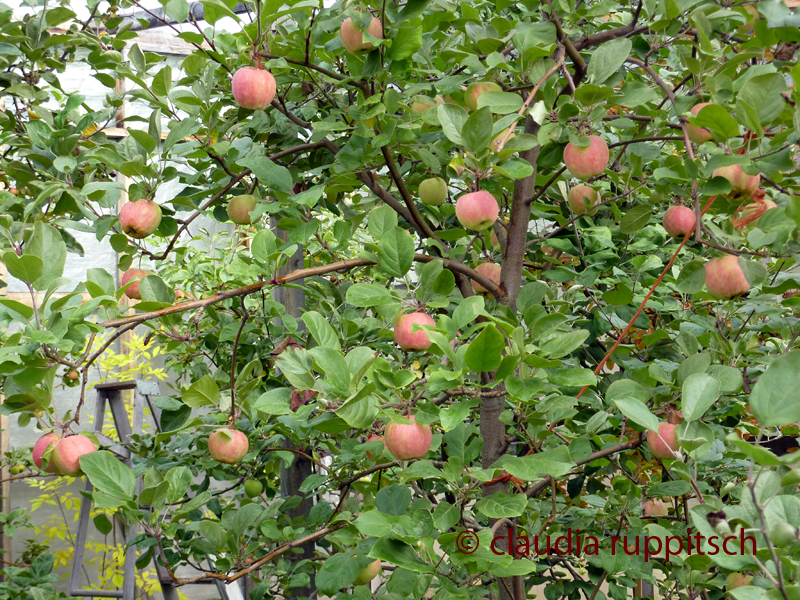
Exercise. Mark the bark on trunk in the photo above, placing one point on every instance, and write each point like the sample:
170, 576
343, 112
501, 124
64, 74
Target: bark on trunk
493, 430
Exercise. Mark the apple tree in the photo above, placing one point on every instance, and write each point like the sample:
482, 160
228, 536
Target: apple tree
510, 269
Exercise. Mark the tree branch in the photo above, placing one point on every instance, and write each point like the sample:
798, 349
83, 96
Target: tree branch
343, 265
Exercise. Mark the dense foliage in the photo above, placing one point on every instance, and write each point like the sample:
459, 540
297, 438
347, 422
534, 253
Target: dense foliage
600, 329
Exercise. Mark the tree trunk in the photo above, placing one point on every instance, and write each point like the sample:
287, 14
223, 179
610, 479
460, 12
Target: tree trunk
520, 215
292, 476
493, 431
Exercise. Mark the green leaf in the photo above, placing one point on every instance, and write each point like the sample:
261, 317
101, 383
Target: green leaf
608, 58
477, 131
546, 325
717, 120
453, 415
396, 252
397, 553
515, 168
274, 402
619, 296
572, 377
338, 571
153, 289
637, 412
202, 392
500, 505
144, 139
500, 103
179, 479
486, 351
553, 463
214, 533
562, 345
333, 364
360, 410
445, 515
269, 173
322, 331
762, 456
381, 220
692, 277
590, 93
452, 118
108, 474
177, 10
468, 310
162, 81
700, 391
393, 500
775, 399
103, 524
23, 309
406, 41
180, 130
25, 268
670, 488
763, 92
635, 219
48, 245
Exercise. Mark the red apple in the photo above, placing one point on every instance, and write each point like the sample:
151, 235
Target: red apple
353, 39
240, 207
477, 210
664, 442
742, 184
140, 219
373, 438
408, 441
582, 198
476, 90
433, 191
698, 134
587, 161
655, 508
68, 451
490, 270
737, 580
725, 278
41, 446
135, 275
253, 88
679, 220
368, 573
228, 445
412, 341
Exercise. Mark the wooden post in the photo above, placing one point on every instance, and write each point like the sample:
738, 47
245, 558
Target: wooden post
292, 476
5, 489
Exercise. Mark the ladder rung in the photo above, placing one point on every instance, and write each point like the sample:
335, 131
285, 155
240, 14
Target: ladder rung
96, 593
115, 386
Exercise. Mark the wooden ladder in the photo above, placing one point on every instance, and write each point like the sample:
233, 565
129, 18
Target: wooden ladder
110, 394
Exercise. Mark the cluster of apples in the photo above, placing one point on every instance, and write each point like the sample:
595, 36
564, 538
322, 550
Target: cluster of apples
724, 276
65, 453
